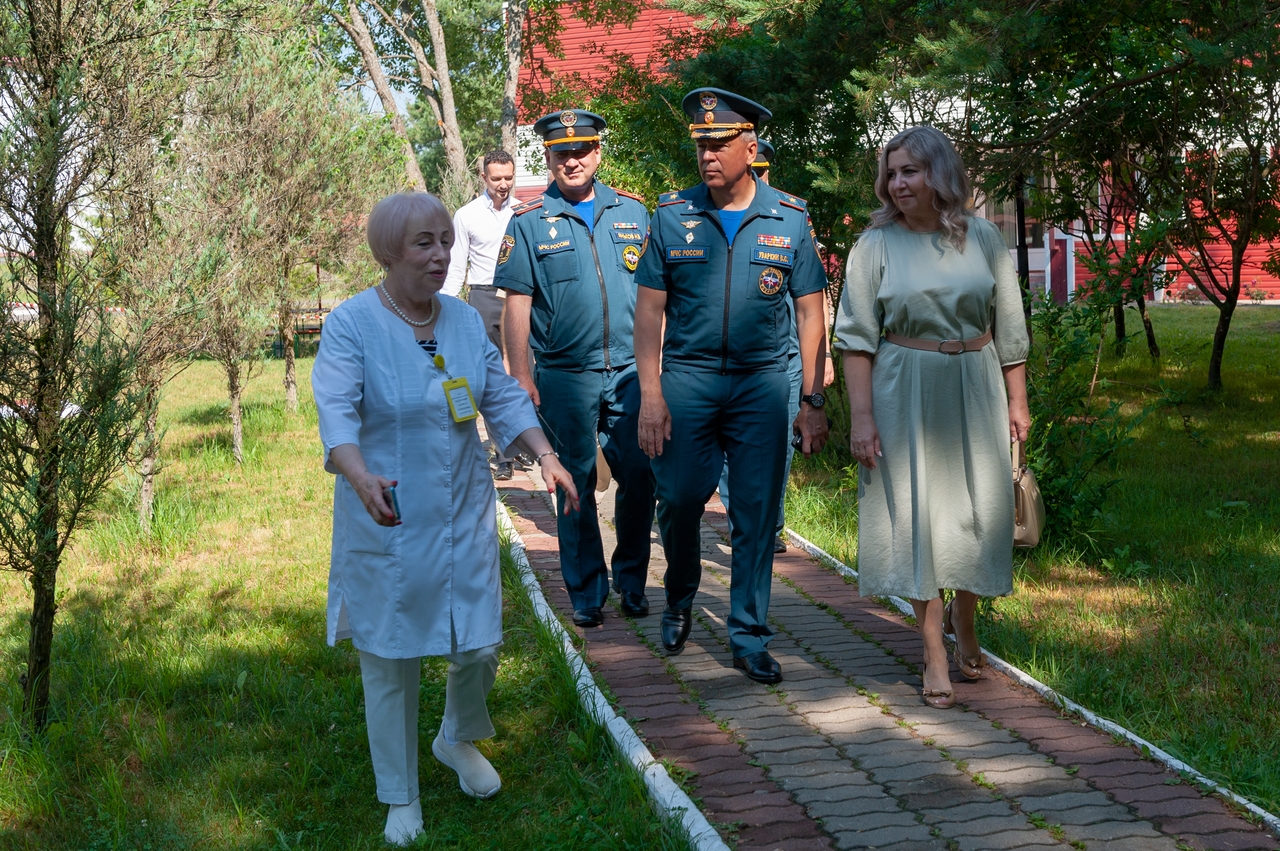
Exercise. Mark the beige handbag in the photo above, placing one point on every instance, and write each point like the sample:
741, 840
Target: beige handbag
1028, 505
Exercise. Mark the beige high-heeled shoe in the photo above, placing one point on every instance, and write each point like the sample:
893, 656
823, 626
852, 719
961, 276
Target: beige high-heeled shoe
970, 666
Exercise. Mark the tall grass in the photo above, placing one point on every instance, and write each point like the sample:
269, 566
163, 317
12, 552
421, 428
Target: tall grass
1171, 623
196, 705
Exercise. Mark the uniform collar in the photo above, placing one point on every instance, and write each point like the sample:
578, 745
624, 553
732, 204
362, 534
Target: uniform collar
554, 203
765, 202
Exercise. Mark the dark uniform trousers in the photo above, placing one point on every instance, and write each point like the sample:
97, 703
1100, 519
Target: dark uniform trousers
576, 407
717, 418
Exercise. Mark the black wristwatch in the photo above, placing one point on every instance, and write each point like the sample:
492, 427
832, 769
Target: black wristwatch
817, 400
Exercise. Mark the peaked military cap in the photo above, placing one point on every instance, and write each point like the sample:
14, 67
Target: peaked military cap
570, 130
764, 155
717, 114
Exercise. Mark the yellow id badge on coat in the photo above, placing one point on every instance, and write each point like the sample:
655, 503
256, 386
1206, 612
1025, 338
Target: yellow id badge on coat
461, 403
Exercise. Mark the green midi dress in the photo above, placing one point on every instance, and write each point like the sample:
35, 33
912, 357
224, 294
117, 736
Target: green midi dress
937, 512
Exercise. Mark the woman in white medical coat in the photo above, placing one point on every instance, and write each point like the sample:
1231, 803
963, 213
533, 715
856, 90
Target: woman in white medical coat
399, 376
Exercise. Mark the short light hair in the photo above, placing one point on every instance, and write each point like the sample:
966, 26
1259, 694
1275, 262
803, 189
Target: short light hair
944, 173
386, 225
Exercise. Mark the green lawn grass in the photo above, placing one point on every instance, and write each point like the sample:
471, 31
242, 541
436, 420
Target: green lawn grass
1171, 625
196, 705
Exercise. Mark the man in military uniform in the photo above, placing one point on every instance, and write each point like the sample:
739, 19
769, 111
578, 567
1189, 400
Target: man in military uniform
568, 261
719, 262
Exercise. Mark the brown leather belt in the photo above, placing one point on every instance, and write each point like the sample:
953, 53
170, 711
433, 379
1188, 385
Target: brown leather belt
947, 347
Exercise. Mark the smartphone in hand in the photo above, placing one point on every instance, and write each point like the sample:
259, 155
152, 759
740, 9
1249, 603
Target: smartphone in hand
389, 494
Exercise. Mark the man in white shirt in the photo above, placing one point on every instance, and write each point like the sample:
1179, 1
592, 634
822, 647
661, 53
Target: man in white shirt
477, 235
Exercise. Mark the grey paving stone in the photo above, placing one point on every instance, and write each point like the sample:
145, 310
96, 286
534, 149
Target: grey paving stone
1140, 843
967, 811
843, 792
987, 750
983, 826
1008, 840
846, 834
857, 739
824, 772
1001, 765
1062, 801
849, 781
785, 741
1027, 775
914, 771
794, 756
1040, 788
1112, 830
930, 845
745, 701
1093, 815
867, 813
889, 757
766, 722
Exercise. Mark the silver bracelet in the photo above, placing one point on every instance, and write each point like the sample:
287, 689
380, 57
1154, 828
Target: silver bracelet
545, 454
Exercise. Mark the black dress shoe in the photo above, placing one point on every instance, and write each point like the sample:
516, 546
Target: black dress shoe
590, 616
676, 624
634, 605
760, 667
779, 545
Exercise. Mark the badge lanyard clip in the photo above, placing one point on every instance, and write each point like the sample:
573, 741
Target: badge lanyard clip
462, 405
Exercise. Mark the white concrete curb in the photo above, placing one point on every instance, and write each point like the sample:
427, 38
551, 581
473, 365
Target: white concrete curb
1272, 821
670, 799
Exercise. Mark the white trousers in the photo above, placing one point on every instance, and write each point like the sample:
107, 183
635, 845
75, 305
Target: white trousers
391, 713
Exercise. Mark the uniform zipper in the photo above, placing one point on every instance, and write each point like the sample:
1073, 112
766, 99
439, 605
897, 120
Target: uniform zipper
724, 333
604, 294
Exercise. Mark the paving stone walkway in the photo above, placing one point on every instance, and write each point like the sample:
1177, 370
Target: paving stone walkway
843, 754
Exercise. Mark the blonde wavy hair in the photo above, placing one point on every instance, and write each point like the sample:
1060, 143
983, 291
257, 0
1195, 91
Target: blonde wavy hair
944, 173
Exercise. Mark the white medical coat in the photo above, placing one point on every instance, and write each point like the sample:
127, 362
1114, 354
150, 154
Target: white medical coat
397, 592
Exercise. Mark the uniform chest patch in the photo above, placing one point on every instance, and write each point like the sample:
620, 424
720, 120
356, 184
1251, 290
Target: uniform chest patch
628, 235
552, 247
773, 256
682, 255
771, 281
504, 250
626, 226
631, 257
773, 241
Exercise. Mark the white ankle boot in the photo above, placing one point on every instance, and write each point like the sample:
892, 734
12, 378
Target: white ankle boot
475, 775
404, 822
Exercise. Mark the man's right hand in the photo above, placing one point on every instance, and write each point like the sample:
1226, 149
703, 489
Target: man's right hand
526, 384
655, 423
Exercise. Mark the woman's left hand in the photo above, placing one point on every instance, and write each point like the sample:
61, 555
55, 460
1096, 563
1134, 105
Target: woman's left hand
1019, 420
554, 473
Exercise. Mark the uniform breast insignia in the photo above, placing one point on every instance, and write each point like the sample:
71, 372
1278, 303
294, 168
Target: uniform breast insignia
549, 247
631, 257
626, 226
773, 241
681, 255
771, 281
628, 236
691, 224
551, 220
504, 250
776, 256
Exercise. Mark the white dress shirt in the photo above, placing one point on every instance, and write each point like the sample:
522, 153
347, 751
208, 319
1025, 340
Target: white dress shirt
477, 235
399, 592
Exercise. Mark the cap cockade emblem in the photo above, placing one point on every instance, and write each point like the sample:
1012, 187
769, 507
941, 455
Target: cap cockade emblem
708, 100
568, 118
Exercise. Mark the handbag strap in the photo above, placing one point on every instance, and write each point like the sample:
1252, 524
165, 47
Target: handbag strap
1020, 456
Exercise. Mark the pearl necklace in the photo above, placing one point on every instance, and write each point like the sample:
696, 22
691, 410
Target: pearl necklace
431, 316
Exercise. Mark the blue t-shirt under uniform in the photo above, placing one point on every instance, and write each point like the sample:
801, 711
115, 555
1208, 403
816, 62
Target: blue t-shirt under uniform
586, 209
731, 220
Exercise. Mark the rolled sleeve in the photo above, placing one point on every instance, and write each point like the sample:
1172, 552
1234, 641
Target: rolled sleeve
858, 319
337, 383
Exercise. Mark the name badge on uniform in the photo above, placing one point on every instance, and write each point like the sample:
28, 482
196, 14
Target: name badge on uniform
773, 256
462, 405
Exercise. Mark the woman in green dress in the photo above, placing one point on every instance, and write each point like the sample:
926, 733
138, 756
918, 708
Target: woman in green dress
934, 344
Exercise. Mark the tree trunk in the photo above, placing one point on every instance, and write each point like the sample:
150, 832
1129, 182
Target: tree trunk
1225, 310
455, 153
1120, 329
1152, 345
358, 29
290, 367
147, 469
35, 689
234, 391
517, 13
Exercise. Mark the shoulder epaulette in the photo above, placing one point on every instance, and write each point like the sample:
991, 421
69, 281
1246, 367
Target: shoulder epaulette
792, 201
630, 195
520, 209
669, 198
